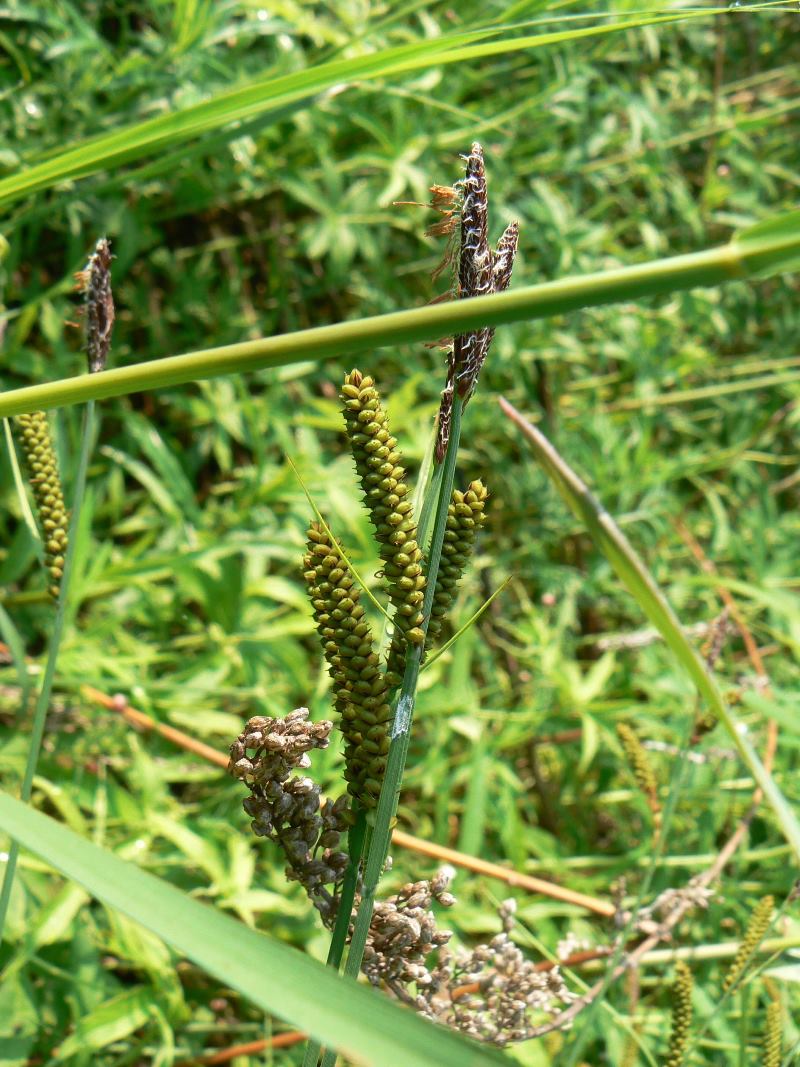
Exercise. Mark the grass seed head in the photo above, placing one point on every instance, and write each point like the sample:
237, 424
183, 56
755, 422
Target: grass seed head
45, 480
360, 689
465, 517
773, 1036
681, 1015
640, 764
754, 934
388, 500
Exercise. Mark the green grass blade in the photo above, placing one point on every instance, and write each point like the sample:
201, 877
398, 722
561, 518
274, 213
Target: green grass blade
368, 1027
470, 622
265, 94
334, 541
771, 248
46, 690
642, 587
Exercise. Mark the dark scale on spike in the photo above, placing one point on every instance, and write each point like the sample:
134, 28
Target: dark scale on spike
360, 689
387, 497
502, 266
475, 260
480, 271
99, 306
465, 517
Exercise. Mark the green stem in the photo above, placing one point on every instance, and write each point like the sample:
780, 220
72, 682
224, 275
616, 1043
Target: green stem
401, 725
355, 843
431, 498
43, 700
762, 250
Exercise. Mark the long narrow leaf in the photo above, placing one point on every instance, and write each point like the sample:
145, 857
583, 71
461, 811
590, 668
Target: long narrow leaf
640, 584
365, 1025
266, 94
771, 247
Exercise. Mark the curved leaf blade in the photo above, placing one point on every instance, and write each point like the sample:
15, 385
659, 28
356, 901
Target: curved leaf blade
366, 1026
633, 574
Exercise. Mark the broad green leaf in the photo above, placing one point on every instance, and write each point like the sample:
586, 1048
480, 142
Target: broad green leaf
640, 584
365, 1025
772, 246
112, 1021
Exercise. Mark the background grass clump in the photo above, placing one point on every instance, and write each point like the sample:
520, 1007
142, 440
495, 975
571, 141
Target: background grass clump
188, 597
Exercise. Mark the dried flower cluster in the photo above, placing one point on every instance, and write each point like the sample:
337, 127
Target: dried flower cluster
480, 271
360, 690
694, 895
403, 933
286, 808
42, 467
488, 993
491, 992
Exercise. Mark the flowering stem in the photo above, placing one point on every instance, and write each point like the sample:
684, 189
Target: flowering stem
355, 844
378, 840
43, 700
401, 725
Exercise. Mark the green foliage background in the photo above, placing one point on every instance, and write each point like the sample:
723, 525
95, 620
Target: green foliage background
610, 150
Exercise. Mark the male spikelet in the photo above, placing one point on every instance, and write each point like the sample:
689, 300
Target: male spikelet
480, 271
387, 497
640, 764
465, 516
360, 691
681, 1015
42, 465
773, 1043
95, 282
753, 935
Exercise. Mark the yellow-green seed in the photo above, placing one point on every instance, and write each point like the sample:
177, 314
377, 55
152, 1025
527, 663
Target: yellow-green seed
465, 516
773, 1037
681, 1015
639, 763
360, 690
387, 497
753, 936
42, 467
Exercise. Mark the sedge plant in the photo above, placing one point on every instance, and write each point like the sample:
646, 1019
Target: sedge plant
41, 465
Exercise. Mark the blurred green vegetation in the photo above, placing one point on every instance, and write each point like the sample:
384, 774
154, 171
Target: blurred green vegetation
609, 150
